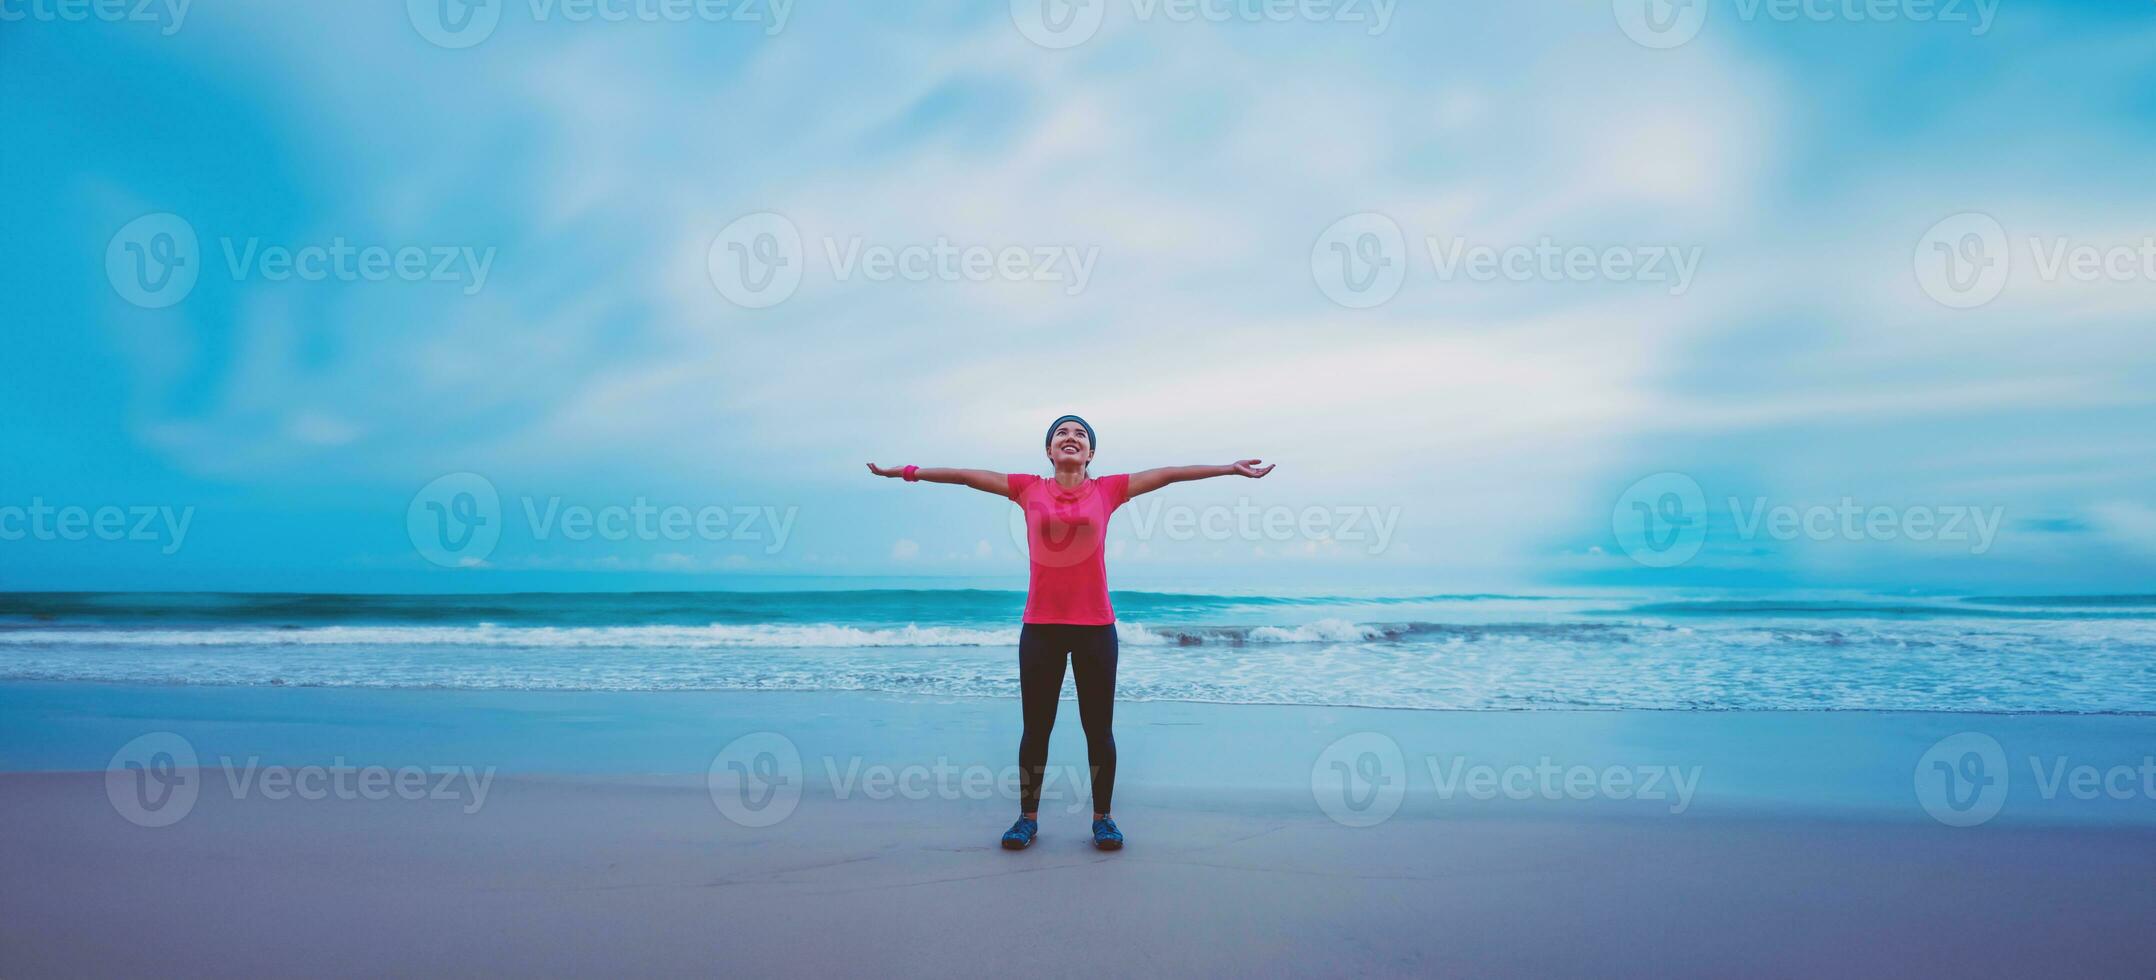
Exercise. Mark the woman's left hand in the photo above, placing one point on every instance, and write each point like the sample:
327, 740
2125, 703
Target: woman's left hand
1251, 469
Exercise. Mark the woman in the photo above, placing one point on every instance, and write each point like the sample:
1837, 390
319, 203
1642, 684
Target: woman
1067, 610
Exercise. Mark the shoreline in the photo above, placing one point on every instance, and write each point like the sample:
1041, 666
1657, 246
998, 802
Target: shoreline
1864, 764
31, 682
954, 696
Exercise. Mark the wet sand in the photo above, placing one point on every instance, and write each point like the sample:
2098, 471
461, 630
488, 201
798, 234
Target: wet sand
1799, 852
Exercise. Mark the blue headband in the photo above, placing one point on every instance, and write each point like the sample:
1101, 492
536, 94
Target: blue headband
1090, 438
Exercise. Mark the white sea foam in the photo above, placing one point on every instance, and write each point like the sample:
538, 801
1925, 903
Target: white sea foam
1322, 631
1752, 662
763, 635
648, 637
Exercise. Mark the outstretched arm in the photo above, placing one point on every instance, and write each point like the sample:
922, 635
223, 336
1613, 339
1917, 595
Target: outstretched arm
1147, 481
986, 481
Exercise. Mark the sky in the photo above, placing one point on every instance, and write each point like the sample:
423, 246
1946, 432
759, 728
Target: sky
621, 294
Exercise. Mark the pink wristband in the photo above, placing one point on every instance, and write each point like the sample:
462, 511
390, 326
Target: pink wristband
913, 474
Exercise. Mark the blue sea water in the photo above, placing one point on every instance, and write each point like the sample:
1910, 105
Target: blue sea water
2075, 654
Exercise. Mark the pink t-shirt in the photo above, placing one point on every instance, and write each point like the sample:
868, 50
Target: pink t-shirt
1064, 532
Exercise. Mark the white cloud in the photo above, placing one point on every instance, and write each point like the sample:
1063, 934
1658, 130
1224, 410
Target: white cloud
602, 164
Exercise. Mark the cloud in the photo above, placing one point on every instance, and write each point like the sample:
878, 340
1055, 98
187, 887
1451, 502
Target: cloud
1201, 162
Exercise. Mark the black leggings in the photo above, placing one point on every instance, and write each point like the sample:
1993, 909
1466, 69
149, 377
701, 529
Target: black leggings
1092, 650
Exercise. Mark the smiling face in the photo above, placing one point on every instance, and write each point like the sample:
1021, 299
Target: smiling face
1070, 445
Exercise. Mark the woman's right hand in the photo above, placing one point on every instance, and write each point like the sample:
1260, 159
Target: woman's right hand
887, 470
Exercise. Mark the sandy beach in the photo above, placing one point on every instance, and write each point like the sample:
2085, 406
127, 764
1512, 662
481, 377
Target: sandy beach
350, 832
613, 488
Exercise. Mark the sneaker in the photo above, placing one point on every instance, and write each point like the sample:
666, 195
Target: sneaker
1021, 834
1105, 836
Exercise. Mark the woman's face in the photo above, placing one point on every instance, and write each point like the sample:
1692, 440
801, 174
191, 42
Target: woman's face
1070, 443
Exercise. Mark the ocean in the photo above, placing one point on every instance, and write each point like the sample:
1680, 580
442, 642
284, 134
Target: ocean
2068, 654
